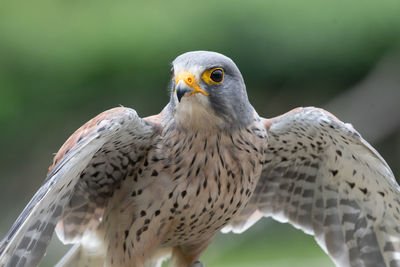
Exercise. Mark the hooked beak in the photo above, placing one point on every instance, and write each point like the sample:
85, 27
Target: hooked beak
182, 89
187, 84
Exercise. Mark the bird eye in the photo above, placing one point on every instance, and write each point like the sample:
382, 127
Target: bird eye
172, 72
217, 75
213, 76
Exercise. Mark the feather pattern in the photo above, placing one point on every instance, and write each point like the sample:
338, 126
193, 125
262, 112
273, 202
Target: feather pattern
322, 177
74, 190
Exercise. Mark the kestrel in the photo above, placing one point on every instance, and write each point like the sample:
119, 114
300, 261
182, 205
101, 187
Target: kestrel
129, 191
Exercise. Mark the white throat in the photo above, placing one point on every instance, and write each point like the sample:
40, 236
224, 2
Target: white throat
194, 112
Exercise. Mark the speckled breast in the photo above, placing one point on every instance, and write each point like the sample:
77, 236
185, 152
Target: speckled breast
189, 186
212, 179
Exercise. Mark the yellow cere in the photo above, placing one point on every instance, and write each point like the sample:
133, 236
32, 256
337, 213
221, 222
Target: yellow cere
206, 76
190, 81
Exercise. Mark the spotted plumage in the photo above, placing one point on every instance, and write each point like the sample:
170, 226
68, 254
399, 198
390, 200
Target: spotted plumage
129, 191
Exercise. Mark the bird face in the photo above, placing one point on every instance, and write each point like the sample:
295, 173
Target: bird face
207, 87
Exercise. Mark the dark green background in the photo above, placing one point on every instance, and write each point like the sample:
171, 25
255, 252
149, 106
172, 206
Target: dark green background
62, 62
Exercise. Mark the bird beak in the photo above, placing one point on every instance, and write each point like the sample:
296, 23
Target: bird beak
187, 83
181, 89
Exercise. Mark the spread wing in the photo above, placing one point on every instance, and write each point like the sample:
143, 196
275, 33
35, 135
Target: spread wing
322, 177
86, 169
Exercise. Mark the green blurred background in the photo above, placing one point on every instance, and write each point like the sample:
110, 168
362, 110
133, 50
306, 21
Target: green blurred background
62, 62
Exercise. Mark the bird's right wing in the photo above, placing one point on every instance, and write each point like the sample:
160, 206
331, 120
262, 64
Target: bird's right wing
322, 177
92, 161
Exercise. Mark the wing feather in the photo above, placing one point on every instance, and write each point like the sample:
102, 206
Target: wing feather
322, 177
116, 129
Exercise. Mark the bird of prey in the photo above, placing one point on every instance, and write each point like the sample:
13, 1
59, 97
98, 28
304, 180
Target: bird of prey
129, 191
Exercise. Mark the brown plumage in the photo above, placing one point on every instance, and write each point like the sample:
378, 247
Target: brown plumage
130, 191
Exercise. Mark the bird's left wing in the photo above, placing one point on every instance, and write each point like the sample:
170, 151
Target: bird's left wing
119, 128
322, 177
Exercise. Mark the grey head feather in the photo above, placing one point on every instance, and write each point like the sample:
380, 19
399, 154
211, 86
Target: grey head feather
229, 99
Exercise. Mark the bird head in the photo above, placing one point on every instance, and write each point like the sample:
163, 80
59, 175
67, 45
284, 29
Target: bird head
208, 89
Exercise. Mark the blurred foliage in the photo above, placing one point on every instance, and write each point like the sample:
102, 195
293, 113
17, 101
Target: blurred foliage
62, 62
279, 245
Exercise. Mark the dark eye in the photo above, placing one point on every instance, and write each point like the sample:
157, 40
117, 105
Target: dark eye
172, 72
217, 75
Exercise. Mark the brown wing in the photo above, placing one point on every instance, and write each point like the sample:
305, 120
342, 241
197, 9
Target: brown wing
322, 177
83, 175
